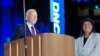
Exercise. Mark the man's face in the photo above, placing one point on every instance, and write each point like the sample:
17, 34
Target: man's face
87, 27
32, 18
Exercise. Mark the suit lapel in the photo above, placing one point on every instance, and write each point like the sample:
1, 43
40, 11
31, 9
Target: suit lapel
28, 33
90, 43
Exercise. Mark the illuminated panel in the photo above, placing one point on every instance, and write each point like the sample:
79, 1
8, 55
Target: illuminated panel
17, 50
57, 16
10, 49
32, 47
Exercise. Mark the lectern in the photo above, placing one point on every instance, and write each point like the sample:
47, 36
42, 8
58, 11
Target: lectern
46, 44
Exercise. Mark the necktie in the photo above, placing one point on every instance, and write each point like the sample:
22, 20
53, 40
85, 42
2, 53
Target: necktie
33, 31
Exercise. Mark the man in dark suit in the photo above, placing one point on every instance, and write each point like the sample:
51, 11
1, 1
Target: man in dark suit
28, 29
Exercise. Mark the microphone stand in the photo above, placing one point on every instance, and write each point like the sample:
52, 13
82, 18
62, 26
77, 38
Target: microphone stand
25, 44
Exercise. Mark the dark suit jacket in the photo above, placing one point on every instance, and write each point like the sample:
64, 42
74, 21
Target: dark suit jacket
20, 32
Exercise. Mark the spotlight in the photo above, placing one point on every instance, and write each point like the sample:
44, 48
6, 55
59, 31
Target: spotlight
96, 7
8, 39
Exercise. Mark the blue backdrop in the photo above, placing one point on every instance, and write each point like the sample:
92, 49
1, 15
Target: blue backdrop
11, 14
9, 17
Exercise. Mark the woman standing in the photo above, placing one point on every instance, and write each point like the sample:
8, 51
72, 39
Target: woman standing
88, 44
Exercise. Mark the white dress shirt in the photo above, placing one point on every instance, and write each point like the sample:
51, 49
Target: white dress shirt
29, 26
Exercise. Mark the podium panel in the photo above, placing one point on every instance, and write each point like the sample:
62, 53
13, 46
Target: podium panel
57, 45
46, 44
32, 45
15, 48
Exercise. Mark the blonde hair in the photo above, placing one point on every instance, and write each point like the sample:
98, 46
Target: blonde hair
29, 11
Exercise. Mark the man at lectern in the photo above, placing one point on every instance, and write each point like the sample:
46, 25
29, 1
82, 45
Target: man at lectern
28, 28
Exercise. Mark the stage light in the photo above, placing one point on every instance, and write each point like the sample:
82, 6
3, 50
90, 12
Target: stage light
8, 39
82, 1
96, 7
78, 0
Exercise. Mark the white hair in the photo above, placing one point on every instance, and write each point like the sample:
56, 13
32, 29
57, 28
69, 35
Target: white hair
29, 11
